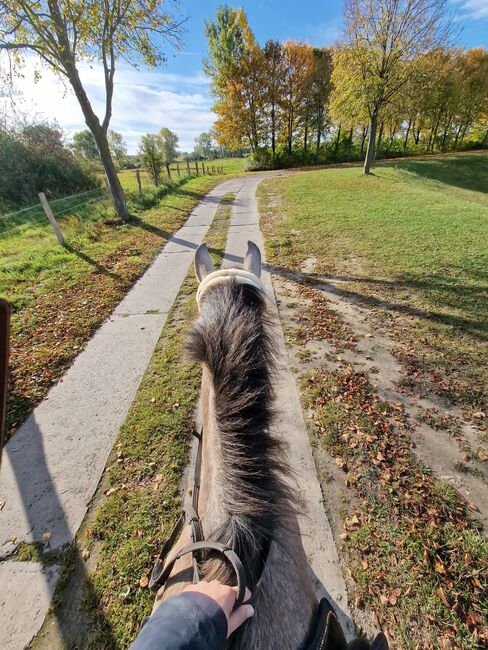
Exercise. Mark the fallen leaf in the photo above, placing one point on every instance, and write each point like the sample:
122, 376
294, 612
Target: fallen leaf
143, 582
85, 554
482, 456
383, 599
442, 596
439, 567
111, 491
2, 503
46, 537
394, 596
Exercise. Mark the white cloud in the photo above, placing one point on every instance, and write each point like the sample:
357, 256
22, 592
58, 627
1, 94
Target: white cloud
325, 33
472, 9
144, 101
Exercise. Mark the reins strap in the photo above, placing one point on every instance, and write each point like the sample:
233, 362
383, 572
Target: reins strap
159, 575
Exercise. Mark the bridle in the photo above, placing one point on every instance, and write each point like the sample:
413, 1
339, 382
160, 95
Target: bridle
161, 573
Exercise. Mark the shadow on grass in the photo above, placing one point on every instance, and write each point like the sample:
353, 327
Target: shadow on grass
468, 172
459, 296
96, 265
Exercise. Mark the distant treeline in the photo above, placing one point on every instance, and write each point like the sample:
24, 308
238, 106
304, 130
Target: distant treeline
293, 104
33, 159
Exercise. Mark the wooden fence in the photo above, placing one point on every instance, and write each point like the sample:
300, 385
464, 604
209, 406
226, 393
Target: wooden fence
187, 168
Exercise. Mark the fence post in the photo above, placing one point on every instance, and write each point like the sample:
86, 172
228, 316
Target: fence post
167, 169
178, 169
188, 166
203, 167
50, 216
196, 166
138, 176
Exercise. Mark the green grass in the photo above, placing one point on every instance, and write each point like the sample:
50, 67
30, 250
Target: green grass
60, 295
412, 241
143, 480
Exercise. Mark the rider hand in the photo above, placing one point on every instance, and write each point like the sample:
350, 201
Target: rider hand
225, 597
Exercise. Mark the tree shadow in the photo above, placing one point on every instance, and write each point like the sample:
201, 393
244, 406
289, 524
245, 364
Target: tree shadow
461, 296
96, 265
49, 527
468, 172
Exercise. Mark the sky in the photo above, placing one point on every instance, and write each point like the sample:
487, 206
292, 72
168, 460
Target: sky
177, 95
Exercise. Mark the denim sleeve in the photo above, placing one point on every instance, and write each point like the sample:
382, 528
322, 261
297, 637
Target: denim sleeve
190, 621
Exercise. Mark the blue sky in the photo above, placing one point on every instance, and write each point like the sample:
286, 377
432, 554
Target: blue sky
176, 95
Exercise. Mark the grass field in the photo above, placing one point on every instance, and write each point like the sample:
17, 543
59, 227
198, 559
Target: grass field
411, 240
410, 246
60, 295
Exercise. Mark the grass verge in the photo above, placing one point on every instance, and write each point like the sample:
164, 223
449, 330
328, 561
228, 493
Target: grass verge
411, 244
61, 295
142, 484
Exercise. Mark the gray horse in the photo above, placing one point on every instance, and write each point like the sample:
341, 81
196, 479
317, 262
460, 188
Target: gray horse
245, 501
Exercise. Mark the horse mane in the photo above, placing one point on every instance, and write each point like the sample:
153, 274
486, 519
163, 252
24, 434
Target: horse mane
232, 338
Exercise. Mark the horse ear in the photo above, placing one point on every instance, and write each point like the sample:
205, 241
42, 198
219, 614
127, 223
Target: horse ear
252, 261
203, 263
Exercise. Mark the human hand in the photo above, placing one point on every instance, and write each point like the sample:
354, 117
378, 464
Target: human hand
225, 597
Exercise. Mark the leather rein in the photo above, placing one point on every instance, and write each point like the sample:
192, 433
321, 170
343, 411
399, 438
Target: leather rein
161, 573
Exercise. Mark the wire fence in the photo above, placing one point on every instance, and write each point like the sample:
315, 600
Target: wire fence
19, 221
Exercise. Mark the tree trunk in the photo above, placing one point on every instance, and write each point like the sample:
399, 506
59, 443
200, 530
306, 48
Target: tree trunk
463, 133
363, 138
273, 129
317, 150
457, 136
485, 139
371, 151
305, 135
380, 137
444, 135
336, 147
349, 143
417, 134
100, 135
405, 142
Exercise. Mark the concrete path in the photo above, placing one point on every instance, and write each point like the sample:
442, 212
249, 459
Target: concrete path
316, 532
51, 467
53, 464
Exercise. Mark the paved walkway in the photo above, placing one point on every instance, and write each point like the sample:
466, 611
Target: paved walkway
51, 467
316, 532
53, 464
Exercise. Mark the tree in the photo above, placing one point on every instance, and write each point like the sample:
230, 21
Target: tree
84, 145
297, 68
205, 144
168, 142
118, 147
152, 155
382, 36
65, 32
274, 72
318, 91
235, 64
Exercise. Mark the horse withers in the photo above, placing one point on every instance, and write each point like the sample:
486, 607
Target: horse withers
240, 520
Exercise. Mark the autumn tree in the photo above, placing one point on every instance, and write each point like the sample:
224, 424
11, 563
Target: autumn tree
235, 64
273, 78
318, 90
64, 33
297, 67
382, 35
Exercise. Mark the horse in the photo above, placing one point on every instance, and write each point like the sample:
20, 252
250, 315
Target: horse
242, 499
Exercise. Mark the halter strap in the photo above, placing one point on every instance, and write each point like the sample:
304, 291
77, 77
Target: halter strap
226, 276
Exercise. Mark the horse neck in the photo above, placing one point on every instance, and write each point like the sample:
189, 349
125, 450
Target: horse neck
243, 491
